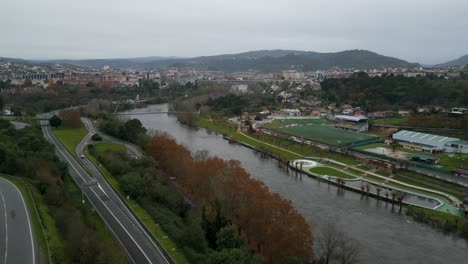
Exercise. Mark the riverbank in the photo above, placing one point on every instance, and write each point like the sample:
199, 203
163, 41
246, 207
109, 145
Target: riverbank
373, 223
282, 154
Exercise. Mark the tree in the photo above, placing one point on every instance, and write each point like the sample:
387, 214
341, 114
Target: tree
55, 121
224, 189
96, 137
16, 110
133, 184
1, 105
228, 238
229, 256
27, 83
335, 246
134, 129
394, 145
70, 118
4, 124
329, 240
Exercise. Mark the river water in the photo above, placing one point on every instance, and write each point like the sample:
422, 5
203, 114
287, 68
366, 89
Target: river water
383, 234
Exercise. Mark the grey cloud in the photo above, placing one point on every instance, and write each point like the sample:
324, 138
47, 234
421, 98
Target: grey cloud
429, 31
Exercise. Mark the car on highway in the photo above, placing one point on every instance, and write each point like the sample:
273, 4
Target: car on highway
82, 156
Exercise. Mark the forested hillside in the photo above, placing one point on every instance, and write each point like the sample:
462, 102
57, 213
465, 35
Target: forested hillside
396, 92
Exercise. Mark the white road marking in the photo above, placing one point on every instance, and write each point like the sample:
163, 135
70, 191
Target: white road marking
138, 227
29, 221
97, 196
6, 228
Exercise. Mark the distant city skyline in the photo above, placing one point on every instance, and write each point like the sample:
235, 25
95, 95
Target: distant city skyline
427, 32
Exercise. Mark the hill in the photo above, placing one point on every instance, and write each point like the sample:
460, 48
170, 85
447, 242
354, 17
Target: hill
278, 60
113, 63
261, 60
463, 60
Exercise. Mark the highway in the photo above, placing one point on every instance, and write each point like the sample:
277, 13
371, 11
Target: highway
17, 240
134, 239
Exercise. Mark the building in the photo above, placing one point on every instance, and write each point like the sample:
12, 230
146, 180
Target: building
429, 142
353, 123
239, 88
462, 171
458, 111
293, 75
291, 112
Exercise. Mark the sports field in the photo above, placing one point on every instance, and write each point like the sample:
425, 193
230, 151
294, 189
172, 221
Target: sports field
318, 130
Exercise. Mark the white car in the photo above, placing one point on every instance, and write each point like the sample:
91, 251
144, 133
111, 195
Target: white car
82, 156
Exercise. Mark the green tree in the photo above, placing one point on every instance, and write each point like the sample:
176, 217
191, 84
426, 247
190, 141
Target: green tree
228, 237
134, 128
96, 137
55, 121
229, 256
4, 124
133, 184
394, 145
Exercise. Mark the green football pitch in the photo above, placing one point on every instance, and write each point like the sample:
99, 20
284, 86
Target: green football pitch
318, 130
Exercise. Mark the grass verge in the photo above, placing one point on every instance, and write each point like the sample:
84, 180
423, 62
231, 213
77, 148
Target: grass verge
70, 137
94, 220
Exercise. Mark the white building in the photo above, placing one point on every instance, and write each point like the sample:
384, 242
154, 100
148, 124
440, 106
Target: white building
292, 112
239, 88
429, 142
293, 75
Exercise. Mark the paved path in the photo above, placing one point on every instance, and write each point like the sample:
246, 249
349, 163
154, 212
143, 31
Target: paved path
17, 240
450, 197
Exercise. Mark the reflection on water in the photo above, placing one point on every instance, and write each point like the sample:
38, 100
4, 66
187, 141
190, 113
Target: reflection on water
384, 235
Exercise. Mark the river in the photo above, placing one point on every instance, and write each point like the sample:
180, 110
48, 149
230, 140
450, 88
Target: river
384, 235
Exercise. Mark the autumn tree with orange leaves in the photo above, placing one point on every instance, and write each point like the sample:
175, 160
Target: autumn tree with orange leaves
273, 227
70, 118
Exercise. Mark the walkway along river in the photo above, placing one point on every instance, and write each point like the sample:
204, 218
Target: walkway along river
384, 235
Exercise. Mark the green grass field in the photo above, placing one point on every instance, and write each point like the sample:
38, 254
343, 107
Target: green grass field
317, 130
301, 149
331, 172
70, 137
101, 148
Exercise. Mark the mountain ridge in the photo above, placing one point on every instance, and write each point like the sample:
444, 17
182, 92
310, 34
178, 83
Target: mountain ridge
258, 60
461, 61
278, 60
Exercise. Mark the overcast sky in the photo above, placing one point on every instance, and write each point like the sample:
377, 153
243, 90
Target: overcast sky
425, 31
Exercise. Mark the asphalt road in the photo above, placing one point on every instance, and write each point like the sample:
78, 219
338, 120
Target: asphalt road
136, 242
133, 149
17, 240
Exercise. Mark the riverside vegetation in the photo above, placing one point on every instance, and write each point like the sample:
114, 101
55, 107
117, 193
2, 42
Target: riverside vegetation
196, 199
